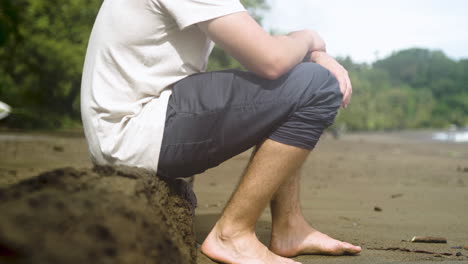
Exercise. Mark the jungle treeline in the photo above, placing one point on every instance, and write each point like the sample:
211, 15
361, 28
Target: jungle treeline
412, 88
43, 45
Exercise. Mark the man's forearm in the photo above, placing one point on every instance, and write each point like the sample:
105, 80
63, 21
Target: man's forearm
265, 55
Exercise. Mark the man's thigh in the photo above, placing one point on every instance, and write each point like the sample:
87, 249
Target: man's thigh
214, 116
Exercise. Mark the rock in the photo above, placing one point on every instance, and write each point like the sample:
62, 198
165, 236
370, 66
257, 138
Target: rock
103, 215
459, 254
377, 209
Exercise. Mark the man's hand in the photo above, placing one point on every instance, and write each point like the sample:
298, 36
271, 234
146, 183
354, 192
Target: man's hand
340, 73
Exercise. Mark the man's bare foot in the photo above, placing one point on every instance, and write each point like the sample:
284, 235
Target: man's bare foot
241, 248
300, 239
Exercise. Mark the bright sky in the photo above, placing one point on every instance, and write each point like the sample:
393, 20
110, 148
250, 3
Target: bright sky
366, 29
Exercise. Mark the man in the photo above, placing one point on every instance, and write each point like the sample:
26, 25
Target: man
145, 103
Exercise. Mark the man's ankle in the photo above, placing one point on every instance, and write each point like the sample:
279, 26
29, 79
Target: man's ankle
289, 222
227, 231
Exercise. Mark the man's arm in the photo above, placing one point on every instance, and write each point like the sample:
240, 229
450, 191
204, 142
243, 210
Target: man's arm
266, 55
272, 56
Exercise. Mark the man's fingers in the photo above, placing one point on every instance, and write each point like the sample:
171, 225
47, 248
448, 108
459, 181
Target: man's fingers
341, 74
349, 91
343, 88
344, 84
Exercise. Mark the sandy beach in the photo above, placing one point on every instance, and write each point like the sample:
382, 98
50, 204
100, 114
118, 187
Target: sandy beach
377, 190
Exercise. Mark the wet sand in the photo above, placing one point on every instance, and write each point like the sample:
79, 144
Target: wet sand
420, 186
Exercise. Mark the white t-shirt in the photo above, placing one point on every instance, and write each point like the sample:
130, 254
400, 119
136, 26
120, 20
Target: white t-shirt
137, 50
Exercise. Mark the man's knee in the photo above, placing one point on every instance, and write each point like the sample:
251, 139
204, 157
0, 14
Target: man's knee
313, 85
309, 68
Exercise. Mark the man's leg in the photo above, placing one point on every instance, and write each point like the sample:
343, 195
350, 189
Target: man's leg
214, 116
233, 240
291, 234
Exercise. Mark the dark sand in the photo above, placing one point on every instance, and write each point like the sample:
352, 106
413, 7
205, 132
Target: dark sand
420, 186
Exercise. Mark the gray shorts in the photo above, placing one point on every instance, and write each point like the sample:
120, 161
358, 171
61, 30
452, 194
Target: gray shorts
214, 116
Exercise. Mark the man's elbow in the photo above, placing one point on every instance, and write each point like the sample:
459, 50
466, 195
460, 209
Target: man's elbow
274, 68
271, 74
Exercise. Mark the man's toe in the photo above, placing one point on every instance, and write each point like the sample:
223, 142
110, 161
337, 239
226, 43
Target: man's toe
349, 248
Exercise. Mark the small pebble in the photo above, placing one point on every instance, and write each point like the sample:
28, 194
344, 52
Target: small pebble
465, 247
459, 254
377, 209
58, 148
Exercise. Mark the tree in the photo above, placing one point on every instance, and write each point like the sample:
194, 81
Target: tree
9, 19
41, 65
414, 88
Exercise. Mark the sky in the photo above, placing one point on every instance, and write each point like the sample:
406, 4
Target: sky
368, 30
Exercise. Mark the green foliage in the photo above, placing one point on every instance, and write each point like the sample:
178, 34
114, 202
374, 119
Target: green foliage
413, 88
220, 60
9, 18
41, 52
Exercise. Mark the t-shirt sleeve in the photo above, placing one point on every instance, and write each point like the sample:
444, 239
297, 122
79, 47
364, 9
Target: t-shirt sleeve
189, 12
